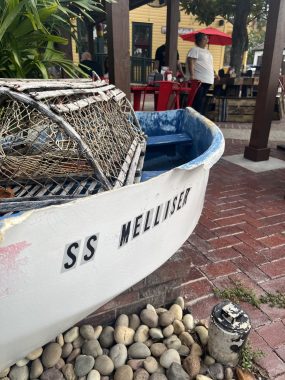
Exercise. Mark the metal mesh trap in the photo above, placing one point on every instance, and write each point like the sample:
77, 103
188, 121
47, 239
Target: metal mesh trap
60, 140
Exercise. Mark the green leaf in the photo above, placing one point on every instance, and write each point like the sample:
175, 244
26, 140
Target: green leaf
26, 25
30, 28
42, 69
10, 17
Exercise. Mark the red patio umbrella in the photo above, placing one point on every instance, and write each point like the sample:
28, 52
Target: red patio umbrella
215, 36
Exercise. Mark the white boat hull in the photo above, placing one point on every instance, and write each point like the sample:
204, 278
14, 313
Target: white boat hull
60, 263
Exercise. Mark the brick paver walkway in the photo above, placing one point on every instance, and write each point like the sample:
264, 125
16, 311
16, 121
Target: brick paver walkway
241, 236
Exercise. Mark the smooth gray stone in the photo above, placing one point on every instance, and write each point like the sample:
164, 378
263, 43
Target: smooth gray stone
166, 319
71, 334
150, 364
104, 365
106, 338
176, 372
216, 371
157, 349
119, 354
168, 357
52, 374
36, 369
78, 342
149, 317
51, 355
142, 334
83, 364
87, 332
92, 347
229, 373
158, 376
19, 373
124, 373
180, 301
73, 355
122, 320
134, 321
93, 375
141, 374
66, 350
68, 371
138, 351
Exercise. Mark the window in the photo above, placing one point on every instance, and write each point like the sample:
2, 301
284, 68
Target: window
142, 39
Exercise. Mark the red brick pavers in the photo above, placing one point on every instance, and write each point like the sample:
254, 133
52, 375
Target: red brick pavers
242, 235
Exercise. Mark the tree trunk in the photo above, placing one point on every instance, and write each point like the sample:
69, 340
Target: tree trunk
239, 35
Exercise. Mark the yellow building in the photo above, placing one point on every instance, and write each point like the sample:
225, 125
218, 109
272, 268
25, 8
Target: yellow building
148, 32
148, 27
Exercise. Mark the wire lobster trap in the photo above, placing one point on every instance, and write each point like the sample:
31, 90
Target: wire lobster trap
61, 140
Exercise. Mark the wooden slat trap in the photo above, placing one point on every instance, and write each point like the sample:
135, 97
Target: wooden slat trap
61, 140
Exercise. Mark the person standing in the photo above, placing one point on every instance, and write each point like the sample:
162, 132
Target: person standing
160, 60
199, 65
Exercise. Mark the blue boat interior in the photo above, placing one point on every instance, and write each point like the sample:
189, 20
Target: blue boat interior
174, 139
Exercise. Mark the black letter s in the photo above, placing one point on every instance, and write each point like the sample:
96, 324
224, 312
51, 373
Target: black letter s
71, 255
90, 247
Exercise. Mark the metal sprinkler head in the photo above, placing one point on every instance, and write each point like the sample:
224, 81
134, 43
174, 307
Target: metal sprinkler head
228, 331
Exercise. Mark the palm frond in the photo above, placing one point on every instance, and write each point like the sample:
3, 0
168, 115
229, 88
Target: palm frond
30, 28
9, 16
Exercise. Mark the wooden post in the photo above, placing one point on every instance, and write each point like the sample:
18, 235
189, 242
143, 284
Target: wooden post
268, 83
118, 44
172, 34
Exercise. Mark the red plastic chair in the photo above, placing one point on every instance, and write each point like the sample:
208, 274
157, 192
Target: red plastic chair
191, 89
166, 89
162, 92
194, 86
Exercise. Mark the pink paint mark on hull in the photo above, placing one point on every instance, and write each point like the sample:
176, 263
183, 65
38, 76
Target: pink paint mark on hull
10, 253
9, 265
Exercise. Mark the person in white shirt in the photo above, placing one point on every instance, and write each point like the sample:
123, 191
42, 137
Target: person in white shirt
199, 65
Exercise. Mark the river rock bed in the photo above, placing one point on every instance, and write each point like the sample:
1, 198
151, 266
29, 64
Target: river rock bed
157, 344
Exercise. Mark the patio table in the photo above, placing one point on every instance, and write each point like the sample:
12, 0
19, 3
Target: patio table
237, 87
138, 90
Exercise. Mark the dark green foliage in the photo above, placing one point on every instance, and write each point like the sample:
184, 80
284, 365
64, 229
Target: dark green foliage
248, 356
238, 294
207, 10
29, 30
274, 300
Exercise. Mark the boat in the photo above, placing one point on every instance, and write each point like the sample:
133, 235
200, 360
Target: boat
63, 257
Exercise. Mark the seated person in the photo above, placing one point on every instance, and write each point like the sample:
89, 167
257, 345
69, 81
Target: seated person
87, 65
221, 73
249, 73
